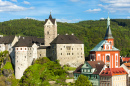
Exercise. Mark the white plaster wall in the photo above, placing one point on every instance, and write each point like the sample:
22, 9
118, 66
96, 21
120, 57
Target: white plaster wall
21, 62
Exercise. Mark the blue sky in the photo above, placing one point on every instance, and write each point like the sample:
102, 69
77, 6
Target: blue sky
64, 10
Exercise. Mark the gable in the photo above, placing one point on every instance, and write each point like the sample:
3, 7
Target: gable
48, 22
86, 65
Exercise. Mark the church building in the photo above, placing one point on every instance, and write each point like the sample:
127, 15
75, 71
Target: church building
105, 50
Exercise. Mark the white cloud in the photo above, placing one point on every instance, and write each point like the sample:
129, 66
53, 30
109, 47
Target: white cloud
14, 0
8, 6
128, 17
68, 21
74, 0
26, 2
94, 10
29, 18
116, 5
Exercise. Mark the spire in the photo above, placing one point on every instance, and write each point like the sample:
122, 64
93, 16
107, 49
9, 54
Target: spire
108, 21
108, 32
50, 17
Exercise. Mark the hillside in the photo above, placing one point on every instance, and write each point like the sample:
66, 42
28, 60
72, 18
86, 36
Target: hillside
90, 32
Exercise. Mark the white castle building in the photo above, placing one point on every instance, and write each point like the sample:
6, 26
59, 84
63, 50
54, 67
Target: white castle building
68, 49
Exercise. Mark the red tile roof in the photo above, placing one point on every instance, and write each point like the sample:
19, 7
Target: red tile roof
125, 59
113, 72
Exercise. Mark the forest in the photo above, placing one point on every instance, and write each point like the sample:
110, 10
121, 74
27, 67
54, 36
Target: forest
91, 32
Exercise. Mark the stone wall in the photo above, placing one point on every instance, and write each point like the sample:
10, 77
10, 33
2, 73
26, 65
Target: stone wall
68, 54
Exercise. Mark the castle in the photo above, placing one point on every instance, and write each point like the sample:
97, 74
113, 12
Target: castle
68, 49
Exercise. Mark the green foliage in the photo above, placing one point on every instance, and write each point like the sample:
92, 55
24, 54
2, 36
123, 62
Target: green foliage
41, 72
82, 81
90, 32
8, 65
69, 68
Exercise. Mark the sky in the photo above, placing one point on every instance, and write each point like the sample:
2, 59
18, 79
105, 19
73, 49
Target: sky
70, 11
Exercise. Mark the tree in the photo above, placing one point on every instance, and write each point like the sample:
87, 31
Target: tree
82, 81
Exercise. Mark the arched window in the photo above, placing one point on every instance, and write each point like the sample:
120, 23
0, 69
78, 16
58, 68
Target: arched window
108, 58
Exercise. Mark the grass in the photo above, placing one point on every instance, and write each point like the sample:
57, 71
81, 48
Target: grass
69, 68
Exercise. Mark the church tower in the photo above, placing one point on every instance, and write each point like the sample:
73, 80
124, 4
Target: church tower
108, 36
50, 30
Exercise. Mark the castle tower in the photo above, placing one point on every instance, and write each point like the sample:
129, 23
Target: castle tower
108, 36
50, 30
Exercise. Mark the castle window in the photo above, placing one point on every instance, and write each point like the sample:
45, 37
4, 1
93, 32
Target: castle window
107, 58
47, 32
61, 53
72, 53
68, 47
61, 48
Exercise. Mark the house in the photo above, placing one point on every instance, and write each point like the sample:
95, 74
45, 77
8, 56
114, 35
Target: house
91, 69
126, 67
125, 59
7, 43
113, 77
105, 50
68, 49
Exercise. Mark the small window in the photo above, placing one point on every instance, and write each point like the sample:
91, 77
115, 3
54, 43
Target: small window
47, 32
21, 48
61, 53
40, 55
81, 48
25, 48
72, 48
61, 48
72, 53
107, 58
25, 56
17, 48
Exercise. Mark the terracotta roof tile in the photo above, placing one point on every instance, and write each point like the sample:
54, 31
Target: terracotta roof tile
113, 72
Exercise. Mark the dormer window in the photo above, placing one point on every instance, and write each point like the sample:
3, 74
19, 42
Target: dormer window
86, 65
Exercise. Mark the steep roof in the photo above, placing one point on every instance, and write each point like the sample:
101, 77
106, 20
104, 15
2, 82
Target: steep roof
113, 72
98, 65
66, 39
6, 39
51, 19
28, 41
78, 69
99, 47
108, 34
